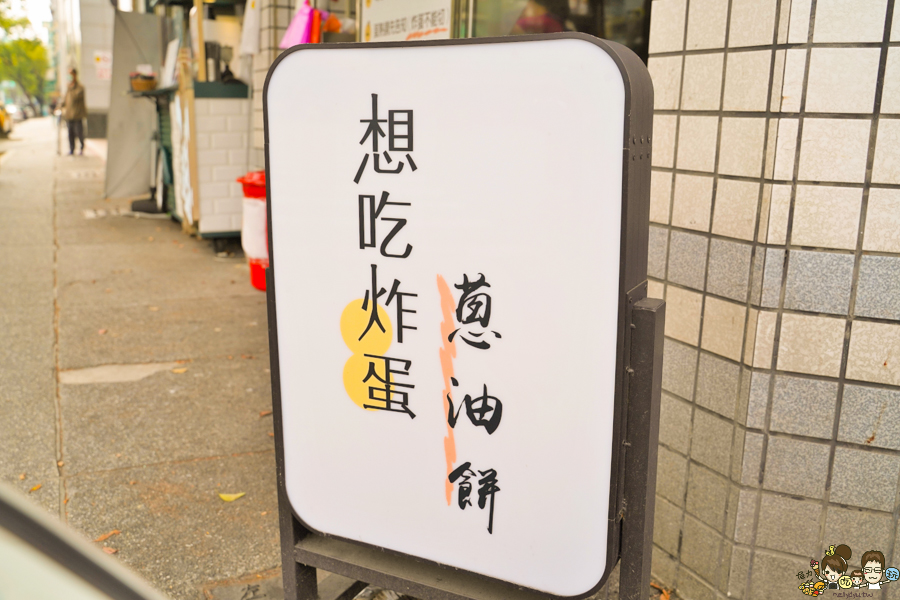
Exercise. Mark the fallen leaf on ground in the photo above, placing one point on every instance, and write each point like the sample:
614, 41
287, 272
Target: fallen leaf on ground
101, 332
108, 535
230, 357
664, 594
66, 501
265, 413
184, 361
270, 434
59, 463
150, 239
263, 513
132, 482
247, 356
110, 550
180, 371
231, 497
35, 488
21, 476
153, 308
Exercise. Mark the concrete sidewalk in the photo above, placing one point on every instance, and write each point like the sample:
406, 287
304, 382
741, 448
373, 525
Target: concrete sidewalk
144, 450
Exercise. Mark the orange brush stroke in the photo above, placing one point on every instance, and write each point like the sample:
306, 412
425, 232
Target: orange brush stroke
420, 34
447, 353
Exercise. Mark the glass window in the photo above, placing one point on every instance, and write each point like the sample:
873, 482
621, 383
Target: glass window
624, 21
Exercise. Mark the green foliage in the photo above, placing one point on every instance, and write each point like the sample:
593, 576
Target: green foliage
25, 62
22, 60
9, 25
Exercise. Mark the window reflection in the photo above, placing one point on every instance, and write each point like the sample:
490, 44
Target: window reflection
623, 21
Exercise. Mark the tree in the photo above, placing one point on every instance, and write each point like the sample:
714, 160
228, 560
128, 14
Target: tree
25, 62
22, 59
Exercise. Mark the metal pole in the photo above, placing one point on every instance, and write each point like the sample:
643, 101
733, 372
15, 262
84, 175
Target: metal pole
648, 319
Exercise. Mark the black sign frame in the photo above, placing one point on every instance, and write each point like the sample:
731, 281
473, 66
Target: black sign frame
633, 451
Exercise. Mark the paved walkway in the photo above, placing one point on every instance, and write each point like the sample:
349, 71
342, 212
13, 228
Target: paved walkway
145, 450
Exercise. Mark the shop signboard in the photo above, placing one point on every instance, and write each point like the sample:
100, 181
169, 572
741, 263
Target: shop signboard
454, 255
103, 64
403, 21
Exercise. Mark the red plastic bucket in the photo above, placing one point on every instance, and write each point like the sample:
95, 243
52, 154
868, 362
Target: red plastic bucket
254, 228
258, 268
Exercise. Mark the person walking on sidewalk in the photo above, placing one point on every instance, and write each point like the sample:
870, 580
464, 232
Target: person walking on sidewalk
74, 112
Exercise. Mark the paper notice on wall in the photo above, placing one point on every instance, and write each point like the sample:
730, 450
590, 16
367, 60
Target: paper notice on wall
103, 64
397, 20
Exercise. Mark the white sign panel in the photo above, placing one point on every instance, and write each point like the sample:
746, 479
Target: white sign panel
446, 254
403, 21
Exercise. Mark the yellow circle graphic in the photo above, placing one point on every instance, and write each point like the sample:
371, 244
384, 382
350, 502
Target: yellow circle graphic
354, 321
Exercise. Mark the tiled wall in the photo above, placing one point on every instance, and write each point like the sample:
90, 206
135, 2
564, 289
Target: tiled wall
275, 16
222, 148
776, 244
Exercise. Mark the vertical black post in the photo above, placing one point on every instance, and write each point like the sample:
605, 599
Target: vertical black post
648, 318
299, 580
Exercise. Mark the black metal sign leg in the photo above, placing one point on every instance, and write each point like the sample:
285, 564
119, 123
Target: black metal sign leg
642, 438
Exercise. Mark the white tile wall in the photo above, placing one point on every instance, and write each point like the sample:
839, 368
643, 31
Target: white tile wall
222, 146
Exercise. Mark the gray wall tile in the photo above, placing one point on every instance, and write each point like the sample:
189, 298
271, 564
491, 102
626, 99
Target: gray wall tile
803, 406
737, 453
775, 575
796, 467
690, 586
667, 525
746, 516
687, 259
731, 510
870, 416
752, 459
675, 423
864, 478
788, 524
740, 571
656, 256
819, 282
717, 384
671, 476
729, 269
860, 529
707, 496
663, 567
700, 547
679, 368
711, 441
879, 287
743, 396
759, 400
756, 275
772, 277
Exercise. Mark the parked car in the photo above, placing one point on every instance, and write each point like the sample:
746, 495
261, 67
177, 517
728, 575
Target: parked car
6, 122
15, 112
43, 558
